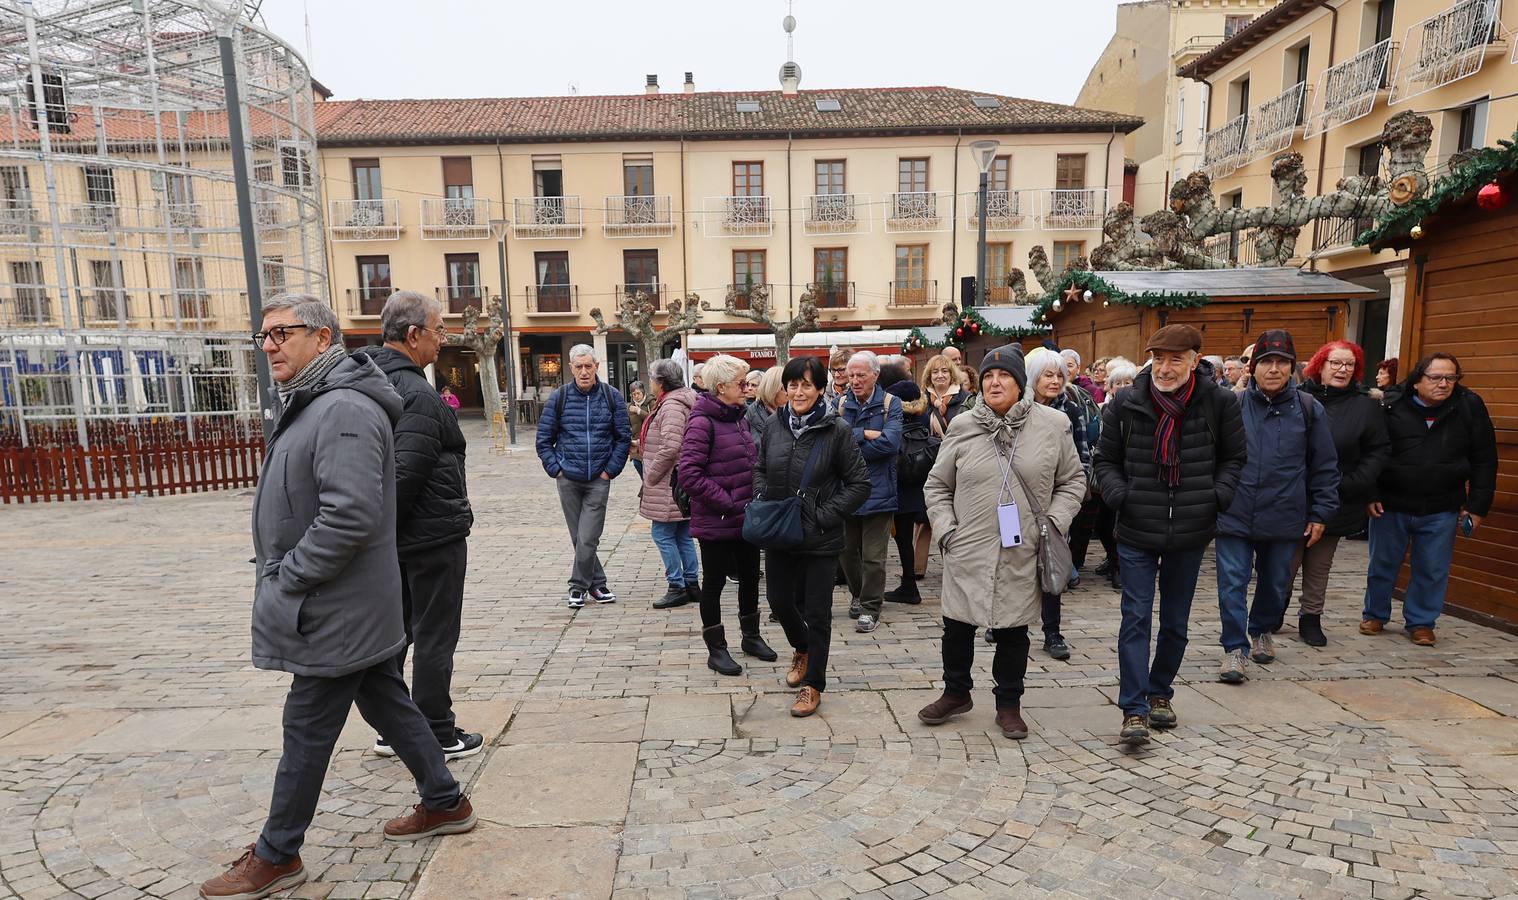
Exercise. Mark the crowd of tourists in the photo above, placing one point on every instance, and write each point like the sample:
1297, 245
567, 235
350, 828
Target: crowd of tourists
799, 476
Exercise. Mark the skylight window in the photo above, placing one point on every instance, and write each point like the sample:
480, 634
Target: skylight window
828, 106
986, 102
748, 106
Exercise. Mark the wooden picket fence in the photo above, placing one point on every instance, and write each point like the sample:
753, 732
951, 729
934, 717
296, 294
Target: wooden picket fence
125, 460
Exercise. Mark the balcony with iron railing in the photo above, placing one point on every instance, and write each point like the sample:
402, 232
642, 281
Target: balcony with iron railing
188, 306
1224, 148
834, 214
455, 219
458, 297
735, 216
91, 216
1348, 91
1333, 236
553, 299
367, 301
1273, 124
908, 211
1448, 46
912, 293
1073, 209
653, 290
1237, 248
547, 217
1005, 210
26, 307
365, 220
17, 219
741, 292
833, 294
1195, 46
638, 216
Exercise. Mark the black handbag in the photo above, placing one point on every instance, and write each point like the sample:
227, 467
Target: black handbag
776, 524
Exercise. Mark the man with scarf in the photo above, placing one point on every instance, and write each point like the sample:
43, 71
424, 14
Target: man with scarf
1168, 461
327, 595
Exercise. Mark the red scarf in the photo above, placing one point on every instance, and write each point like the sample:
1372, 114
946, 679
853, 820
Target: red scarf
647, 421
1167, 434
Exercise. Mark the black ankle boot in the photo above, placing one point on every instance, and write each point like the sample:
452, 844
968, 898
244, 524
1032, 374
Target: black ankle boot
753, 643
717, 657
693, 591
906, 593
1310, 627
675, 596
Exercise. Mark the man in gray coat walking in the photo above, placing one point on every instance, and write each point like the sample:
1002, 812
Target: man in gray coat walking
327, 596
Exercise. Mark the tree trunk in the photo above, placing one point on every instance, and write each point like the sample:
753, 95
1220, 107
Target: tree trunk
490, 384
782, 349
649, 349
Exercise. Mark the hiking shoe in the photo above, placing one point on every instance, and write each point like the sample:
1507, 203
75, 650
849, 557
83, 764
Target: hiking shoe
382, 747
798, 669
1160, 713
855, 610
576, 599
1010, 721
1102, 567
807, 701
1263, 648
868, 623
1371, 626
1056, 647
1135, 731
675, 596
250, 878
603, 594
464, 744
944, 708
1421, 635
422, 822
1231, 669
1310, 630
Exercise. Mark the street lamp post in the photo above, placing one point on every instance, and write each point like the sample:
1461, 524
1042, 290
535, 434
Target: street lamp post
985, 153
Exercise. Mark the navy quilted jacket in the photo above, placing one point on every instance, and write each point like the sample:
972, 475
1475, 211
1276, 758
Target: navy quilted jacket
589, 437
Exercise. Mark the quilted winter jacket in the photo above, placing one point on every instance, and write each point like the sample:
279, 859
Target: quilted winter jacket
1444, 468
661, 447
880, 453
1292, 475
1359, 431
840, 482
1151, 514
717, 469
592, 436
431, 496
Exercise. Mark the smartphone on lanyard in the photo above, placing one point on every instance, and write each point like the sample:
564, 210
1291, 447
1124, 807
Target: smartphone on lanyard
1008, 519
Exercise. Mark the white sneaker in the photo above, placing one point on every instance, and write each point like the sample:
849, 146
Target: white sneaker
576, 599
866, 624
1232, 669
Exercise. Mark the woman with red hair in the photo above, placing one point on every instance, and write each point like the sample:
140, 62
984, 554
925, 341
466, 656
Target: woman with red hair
1359, 432
1386, 376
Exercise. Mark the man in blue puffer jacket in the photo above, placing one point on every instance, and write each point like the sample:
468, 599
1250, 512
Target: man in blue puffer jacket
583, 440
1289, 490
875, 418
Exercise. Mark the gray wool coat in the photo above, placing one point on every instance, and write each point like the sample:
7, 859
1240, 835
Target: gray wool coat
327, 600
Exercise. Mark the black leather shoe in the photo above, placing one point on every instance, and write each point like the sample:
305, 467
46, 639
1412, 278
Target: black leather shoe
675, 596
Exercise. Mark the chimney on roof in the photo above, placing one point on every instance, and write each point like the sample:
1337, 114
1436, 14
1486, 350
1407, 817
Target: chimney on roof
690, 82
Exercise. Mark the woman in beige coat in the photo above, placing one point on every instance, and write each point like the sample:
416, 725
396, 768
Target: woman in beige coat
986, 584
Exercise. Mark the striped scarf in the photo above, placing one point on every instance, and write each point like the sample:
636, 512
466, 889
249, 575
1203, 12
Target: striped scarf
1167, 434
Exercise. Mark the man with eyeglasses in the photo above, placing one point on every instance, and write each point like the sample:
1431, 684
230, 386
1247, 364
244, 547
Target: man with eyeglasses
327, 596
432, 512
1441, 479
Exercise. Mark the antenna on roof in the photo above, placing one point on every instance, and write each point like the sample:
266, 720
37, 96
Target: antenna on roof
790, 73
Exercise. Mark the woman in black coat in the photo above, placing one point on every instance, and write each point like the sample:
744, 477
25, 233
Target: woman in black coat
911, 507
800, 582
1359, 431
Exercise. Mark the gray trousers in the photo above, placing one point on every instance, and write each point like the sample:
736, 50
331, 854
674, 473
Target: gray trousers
1316, 562
315, 711
865, 539
584, 504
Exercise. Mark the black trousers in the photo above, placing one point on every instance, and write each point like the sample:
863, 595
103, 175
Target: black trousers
1082, 528
906, 544
315, 711
800, 592
1106, 531
432, 599
1008, 667
720, 559
1049, 610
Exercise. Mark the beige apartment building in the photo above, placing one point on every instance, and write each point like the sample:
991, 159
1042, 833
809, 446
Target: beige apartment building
1136, 74
1321, 79
865, 197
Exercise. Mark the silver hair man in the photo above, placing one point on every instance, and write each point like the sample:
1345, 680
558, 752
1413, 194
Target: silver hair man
403, 310
580, 351
867, 357
309, 310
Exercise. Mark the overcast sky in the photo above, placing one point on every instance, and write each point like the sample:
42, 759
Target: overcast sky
468, 48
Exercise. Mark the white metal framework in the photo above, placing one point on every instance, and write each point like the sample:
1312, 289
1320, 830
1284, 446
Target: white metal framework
365, 220
547, 217
1072, 209
1348, 91
837, 214
1224, 148
737, 216
455, 219
1447, 47
638, 216
918, 211
1274, 123
1005, 210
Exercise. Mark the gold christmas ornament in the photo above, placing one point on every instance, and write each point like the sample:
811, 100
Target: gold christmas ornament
1417, 232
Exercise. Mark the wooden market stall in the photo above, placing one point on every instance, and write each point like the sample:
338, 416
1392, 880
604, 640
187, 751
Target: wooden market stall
1462, 298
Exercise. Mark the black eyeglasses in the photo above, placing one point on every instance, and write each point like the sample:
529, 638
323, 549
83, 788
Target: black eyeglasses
280, 334
1442, 379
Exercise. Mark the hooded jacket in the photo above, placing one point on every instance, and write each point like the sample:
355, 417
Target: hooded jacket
591, 436
1291, 477
840, 483
717, 469
661, 448
1443, 466
431, 495
914, 414
327, 593
876, 413
1358, 427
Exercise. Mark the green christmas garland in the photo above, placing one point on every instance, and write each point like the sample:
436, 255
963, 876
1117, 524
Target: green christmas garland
1483, 167
1089, 281
971, 324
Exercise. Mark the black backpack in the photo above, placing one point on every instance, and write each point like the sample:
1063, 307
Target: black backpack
919, 450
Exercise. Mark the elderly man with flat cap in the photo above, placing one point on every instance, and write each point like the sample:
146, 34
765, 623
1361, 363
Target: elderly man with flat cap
1171, 450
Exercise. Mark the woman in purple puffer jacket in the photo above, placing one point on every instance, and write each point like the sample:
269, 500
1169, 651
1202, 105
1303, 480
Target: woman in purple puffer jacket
717, 470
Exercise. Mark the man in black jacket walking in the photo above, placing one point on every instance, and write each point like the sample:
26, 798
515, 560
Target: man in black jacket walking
1169, 458
432, 512
1441, 477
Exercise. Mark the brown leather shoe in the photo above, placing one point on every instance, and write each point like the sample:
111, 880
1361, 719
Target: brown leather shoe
422, 822
1370, 626
945, 708
798, 669
251, 878
1011, 723
807, 701
1422, 635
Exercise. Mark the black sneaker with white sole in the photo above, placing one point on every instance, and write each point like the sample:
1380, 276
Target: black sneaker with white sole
382, 747
464, 744
603, 594
576, 598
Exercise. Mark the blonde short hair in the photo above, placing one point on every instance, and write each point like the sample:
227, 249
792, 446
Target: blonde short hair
771, 386
723, 369
936, 362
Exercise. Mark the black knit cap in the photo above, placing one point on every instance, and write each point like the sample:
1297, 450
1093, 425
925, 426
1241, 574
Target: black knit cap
1275, 342
1008, 359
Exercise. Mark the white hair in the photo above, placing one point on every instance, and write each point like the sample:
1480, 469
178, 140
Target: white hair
723, 369
1217, 361
580, 351
1120, 369
1040, 361
1069, 354
405, 309
867, 357
310, 311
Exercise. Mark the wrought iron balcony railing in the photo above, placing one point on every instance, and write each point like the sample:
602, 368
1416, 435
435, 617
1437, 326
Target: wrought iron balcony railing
1339, 234
26, 306
553, 299
365, 220
105, 306
1447, 47
91, 216
1347, 91
835, 214
1005, 210
458, 297
654, 290
367, 301
638, 216
1073, 209
913, 293
1273, 124
1236, 248
916, 211
455, 219
16, 219
833, 294
1224, 148
547, 217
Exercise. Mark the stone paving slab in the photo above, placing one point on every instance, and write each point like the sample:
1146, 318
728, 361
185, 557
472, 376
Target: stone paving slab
556, 784
572, 863
688, 716
1497, 694
1384, 699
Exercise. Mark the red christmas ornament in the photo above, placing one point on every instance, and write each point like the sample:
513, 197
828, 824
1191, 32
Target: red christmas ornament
975, 328
1491, 197
959, 332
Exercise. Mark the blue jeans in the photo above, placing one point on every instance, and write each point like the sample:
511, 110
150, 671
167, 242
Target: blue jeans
1271, 564
678, 552
1433, 540
1177, 573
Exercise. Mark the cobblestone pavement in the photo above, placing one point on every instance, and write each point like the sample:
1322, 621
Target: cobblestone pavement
137, 744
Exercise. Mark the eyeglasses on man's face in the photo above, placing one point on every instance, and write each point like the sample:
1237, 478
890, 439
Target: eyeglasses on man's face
440, 332
1442, 379
279, 333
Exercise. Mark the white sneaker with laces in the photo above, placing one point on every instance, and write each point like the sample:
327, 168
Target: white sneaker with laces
576, 599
